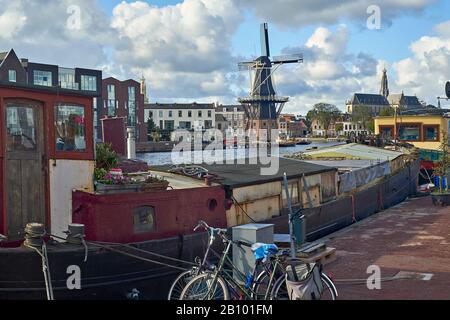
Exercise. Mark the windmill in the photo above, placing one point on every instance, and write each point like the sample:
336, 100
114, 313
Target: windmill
262, 106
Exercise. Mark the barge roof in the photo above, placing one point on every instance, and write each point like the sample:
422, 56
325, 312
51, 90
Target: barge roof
346, 164
360, 151
240, 175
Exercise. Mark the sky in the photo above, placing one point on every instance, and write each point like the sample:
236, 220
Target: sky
188, 50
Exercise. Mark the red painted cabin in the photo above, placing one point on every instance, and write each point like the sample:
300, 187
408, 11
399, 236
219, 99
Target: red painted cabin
142, 216
28, 149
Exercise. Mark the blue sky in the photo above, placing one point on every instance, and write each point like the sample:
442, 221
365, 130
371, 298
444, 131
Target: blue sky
391, 43
189, 52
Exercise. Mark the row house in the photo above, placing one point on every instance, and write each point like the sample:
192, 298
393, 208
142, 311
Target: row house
292, 127
342, 126
234, 115
189, 116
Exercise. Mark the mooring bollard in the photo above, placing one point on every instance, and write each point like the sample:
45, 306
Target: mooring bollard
34, 233
243, 258
75, 233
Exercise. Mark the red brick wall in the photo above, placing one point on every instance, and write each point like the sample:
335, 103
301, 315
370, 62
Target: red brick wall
121, 88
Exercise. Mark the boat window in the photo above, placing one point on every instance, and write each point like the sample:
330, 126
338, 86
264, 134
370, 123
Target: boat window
212, 204
20, 128
144, 219
70, 129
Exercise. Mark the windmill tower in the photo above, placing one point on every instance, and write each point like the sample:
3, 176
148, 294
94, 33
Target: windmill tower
262, 106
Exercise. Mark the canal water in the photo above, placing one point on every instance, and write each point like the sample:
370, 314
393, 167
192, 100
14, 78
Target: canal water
165, 158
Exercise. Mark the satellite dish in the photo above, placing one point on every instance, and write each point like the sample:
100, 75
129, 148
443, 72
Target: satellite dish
447, 89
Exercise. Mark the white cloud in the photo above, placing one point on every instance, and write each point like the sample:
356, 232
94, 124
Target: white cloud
294, 13
12, 20
426, 71
38, 29
329, 72
183, 49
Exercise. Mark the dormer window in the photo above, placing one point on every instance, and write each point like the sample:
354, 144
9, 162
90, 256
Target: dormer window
12, 76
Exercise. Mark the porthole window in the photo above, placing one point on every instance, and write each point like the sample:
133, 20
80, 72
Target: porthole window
212, 204
144, 219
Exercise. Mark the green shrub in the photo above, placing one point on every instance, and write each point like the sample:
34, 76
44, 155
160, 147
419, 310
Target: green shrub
106, 157
100, 173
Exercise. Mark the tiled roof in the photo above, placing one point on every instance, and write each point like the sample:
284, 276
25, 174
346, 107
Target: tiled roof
369, 99
412, 101
407, 100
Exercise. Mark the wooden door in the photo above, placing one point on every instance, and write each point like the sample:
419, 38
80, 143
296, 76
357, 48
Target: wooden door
24, 176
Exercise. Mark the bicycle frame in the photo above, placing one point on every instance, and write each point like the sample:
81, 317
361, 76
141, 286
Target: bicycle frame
228, 276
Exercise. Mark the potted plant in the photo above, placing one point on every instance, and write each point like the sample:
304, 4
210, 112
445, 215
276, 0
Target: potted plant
441, 196
154, 183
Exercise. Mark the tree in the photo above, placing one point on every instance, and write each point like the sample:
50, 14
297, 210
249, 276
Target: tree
387, 112
151, 126
324, 113
362, 115
153, 130
339, 128
443, 166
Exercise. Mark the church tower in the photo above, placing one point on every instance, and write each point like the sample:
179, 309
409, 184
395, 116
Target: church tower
384, 90
144, 89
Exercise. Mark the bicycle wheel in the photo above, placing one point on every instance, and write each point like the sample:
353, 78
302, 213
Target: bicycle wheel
200, 288
279, 291
261, 284
180, 282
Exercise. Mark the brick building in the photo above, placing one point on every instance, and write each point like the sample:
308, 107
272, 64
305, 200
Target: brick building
76, 80
124, 99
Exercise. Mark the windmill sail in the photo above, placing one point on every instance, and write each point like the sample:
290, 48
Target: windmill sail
289, 58
447, 89
265, 50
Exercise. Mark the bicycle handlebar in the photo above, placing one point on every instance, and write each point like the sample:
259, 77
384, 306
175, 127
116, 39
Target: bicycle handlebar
211, 230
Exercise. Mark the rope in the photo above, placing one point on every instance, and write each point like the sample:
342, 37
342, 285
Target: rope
189, 170
239, 205
45, 269
70, 239
137, 257
108, 245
